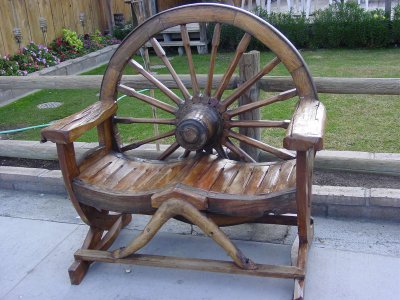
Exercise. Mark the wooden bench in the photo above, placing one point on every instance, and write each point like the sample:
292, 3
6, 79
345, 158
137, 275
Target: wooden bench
215, 182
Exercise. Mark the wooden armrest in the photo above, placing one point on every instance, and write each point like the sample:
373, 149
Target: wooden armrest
307, 126
70, 128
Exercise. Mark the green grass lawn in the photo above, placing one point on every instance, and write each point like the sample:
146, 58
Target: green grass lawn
355, 122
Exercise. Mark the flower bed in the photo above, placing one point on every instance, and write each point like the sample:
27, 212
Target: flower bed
35, 57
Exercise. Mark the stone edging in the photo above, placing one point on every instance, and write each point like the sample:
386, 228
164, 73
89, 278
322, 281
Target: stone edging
328, 201
69, 67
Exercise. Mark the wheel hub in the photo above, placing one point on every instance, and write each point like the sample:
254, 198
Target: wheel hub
198, 126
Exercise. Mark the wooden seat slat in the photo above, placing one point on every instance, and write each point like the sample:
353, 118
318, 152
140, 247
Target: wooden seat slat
127, 180
207, 180
269, 179
239, 182
113, 180
208, 173
197, 170
256, 179
225, 179
284, 175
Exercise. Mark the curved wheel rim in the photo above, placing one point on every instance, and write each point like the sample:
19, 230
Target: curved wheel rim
251, 24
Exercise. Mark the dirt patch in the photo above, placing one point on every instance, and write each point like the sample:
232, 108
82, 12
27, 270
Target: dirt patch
320, 177
356, 179
29, 163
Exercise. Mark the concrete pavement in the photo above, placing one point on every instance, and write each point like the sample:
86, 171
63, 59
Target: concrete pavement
350, 259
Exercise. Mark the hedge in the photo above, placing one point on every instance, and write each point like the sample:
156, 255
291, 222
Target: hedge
341, 25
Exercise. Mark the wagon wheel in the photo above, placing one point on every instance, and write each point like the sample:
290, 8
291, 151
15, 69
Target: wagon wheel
204, 120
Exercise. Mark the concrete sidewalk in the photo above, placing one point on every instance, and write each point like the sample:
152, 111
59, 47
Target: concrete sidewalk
40, 232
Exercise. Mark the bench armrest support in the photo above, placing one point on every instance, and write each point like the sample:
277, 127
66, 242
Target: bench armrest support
67, 130
307, 127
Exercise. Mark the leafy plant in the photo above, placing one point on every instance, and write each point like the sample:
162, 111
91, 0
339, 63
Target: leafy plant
71, 37
120, 32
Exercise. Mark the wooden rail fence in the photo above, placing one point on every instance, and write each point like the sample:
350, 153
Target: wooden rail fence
329, 85
59, 14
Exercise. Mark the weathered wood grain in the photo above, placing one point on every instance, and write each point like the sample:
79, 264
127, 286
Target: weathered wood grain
327, 85
70, 128
191, 264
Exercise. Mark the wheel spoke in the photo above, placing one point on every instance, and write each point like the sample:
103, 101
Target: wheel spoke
214, 49
127, 120
221, 152
243, 155
186, 44
185, 153
283, 154
171, 149
241, 48
276, 98
146, 141
258, 124
161, 54
150, 100
245, 86
139, 68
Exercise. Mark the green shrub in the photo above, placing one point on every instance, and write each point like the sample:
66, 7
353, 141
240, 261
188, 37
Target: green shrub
295, 28
341, 25
350, 26
396, 24
120, 32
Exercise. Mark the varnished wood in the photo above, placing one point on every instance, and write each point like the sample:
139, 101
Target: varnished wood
70, 128
257, 104
307, 127
146, 141
192, 264
161, 54
169, 209
186, 44
155, 81
278, 152
199, 188
238, 151
258, 124
171, 149
241, 48
128, 120
214, 48
245, 86
150, 100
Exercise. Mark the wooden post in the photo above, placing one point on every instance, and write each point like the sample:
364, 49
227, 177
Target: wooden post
249, 66
203, 39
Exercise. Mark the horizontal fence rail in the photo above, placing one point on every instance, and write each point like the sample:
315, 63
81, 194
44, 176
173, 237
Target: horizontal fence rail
329, 85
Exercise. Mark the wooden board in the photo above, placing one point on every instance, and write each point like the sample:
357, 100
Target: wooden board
209, 265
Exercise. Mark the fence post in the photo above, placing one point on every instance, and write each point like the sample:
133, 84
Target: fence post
249, 66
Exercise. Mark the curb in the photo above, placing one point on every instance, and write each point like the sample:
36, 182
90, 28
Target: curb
328, 201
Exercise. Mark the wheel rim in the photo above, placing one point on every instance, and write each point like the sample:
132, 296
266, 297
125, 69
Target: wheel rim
204, 120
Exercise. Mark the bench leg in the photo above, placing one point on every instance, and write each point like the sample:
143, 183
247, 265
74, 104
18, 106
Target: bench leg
304, 166
96, 241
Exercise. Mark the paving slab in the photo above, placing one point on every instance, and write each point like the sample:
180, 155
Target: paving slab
25, 244
334, 274
349, 259
49, 279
